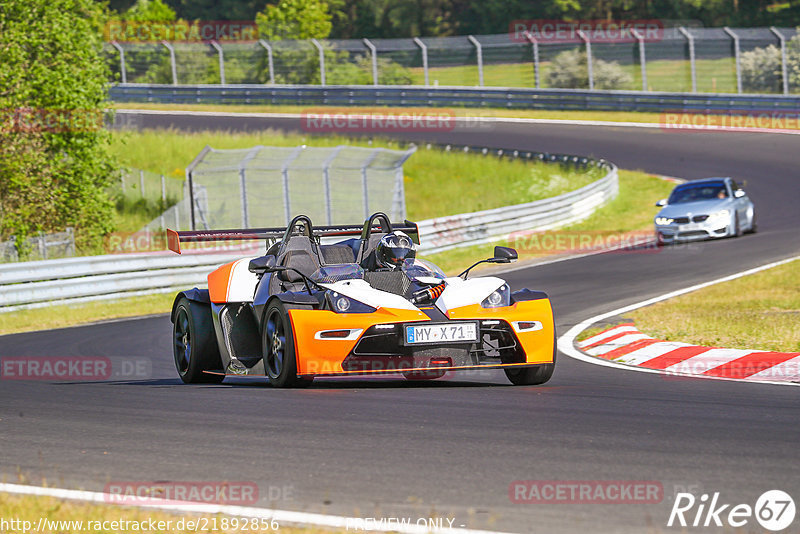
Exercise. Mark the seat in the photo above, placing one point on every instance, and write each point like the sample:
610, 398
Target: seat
300, 254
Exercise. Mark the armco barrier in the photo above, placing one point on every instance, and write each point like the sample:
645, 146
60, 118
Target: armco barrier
38, 283
497, 97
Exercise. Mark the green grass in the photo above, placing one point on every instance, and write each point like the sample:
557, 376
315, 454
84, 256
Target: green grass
630, 213
760, 311
713, 75
437, 183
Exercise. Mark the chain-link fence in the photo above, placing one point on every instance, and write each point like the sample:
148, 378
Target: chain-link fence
135, 185
706, 60
40, 247
267, 186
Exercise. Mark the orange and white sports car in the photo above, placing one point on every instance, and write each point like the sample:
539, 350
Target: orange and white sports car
342, 300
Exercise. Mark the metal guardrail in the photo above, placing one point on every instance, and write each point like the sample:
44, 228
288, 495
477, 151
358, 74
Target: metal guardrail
41, 283
415, 96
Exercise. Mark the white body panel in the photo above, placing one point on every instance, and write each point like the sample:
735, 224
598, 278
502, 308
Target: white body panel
242, 284
459, 292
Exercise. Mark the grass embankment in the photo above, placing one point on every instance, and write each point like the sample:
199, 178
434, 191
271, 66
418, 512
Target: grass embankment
760, 311
76, 517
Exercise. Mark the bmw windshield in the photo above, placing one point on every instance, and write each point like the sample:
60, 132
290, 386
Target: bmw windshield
696, 192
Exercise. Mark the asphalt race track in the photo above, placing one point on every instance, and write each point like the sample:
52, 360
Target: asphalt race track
389, 448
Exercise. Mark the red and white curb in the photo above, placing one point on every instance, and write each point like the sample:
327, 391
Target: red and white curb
627, 345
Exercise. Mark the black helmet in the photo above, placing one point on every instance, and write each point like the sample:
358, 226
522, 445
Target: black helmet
393, 249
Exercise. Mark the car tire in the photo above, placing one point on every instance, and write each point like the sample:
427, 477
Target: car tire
194, 343
280, 360
737, 227
533, 375
753, 225
424, 375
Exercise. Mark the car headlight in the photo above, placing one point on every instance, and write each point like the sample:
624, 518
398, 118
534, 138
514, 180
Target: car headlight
500, 297
719, 217
343, 304
663, 220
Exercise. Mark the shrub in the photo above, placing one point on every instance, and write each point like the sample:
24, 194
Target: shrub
570, 70
762, 70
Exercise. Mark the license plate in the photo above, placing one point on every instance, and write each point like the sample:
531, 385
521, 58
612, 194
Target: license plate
441, 333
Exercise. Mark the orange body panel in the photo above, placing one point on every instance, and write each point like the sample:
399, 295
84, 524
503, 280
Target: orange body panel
325, 356
537, 344
218, 282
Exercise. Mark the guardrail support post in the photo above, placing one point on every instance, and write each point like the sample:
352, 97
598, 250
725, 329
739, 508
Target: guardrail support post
122, 69
736, 55
784, 72
321, 63
642, 56
692, 66
424, 49
588, 44
270, 65
535, 49
221, 55
479, 53
374, 53
172, 62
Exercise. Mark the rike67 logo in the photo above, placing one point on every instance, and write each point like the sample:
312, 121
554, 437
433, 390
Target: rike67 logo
774, 510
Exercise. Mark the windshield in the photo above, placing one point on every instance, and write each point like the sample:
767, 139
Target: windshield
695, 192
328, 274
418, 268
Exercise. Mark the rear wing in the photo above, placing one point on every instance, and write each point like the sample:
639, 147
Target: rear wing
175, 238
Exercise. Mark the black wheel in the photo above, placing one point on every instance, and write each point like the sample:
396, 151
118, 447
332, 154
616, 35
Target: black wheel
753, 226
423, 375
535, 374
737, 228
280, 362
194, 344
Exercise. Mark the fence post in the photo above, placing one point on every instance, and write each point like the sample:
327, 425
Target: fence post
736, 55
535, 49
122, 182
123, 71
321, 63
642, 56
285, 179
374, 52
141, 183
163, 191
692, 66
479, 52
424, 49
268, 48
243, 184
784, 71
326, 183
172, 62
588, 58
221, 55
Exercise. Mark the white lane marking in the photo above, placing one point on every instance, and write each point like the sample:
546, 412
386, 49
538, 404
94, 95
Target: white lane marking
704, 361
607, 334
614, 344
280, 516
469, 120
650, 352
566, 343
788, 370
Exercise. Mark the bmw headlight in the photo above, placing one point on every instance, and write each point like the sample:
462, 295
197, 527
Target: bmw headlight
719, 217
500, 297
661, 221
343, 304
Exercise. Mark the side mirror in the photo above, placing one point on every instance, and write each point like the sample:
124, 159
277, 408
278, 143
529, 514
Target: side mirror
739, 193
661, 203
263, 264
504, 255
